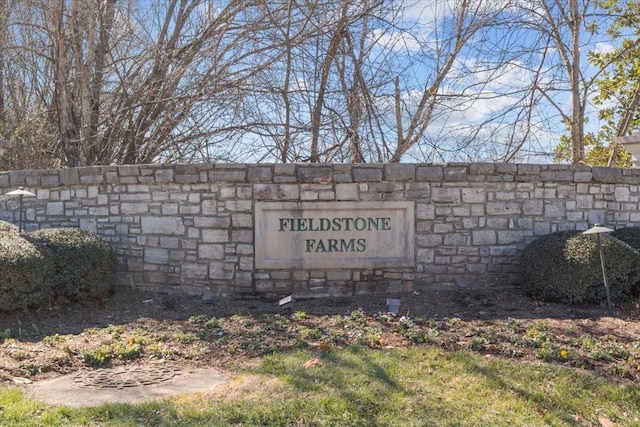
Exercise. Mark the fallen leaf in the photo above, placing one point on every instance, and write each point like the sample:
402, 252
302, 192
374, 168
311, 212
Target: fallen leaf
311, 362
604, 422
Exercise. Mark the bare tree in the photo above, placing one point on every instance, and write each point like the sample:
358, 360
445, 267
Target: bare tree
565, 30
112, 82
79, 35
132, 82
354, 90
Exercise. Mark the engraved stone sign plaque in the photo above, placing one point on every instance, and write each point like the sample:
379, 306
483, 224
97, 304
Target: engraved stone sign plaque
327, 235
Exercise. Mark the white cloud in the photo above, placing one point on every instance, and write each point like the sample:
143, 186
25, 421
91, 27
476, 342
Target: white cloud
396, 41
427, 10
604, 48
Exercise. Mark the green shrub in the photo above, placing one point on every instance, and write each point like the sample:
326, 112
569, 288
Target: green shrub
565, 267
85, 262
25, 272
629, 235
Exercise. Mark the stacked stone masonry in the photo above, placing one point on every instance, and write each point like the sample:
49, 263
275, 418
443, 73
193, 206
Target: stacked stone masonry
191, 227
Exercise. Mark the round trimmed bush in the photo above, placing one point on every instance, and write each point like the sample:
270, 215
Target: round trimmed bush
565, 267
85, 262
629, 235
8, 228
25, 272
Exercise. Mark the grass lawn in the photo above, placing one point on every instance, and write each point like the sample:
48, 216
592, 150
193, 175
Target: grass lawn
362, 386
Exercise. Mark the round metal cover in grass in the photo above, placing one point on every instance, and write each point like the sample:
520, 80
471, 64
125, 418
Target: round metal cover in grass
126, 377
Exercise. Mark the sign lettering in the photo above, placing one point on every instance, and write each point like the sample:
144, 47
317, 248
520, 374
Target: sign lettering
334, 234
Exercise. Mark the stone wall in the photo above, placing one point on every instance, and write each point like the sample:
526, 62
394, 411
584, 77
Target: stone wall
191, 227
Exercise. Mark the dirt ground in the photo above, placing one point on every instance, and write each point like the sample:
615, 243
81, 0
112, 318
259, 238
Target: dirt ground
231, 333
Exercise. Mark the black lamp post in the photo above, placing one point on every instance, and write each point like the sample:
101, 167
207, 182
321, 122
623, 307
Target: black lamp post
598, 230
20, 192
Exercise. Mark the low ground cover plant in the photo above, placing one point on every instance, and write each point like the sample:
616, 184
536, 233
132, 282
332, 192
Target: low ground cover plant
354, 382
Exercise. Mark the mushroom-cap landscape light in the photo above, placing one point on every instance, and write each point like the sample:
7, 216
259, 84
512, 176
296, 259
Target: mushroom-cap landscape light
20, 193
598, 230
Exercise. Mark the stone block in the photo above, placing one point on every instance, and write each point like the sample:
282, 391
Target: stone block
399, 172
209, 207
338, 275
456, 239
215, 236
276, 192
241, 220
245, 263
264, 286
481, 168
504, 208
243, 280
528, 169
429, 173
445, 195
622, 194
221, 270
483, 237
238, 205
259, 174
607, 175
50, 180
533, 207
554, 210
55, 208
161, 225
134, 208
314, 173
210, 251
308, 195
69, 176
156, 256
212, 222
506, 168
189, 210
242, 236
169, 242
89, 224
88, 178
584, 201
164, 175
474, 195
193, 270
342, 177
284, 169
347, 191
367, 173
455, 173
169, 208
509, 237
